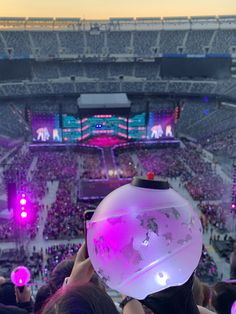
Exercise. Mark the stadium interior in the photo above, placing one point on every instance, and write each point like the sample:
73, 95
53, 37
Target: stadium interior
86, 105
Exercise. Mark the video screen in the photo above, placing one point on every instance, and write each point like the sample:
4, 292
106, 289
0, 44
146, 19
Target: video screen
70, 121
71, 131
46, 127
137, 128
104, 124
161, 125
71, 135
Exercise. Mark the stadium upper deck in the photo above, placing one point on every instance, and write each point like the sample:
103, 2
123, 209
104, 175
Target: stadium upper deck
141, 23
46, 56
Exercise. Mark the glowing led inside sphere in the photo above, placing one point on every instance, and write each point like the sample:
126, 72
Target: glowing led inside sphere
143, 239
20, 276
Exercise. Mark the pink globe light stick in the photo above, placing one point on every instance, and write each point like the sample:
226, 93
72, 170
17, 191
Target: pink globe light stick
161, 241
20, 276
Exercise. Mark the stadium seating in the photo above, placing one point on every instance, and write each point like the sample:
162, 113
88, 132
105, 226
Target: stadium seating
145, 43
170, 41
118, 42
45, 42
197, 40
19, 42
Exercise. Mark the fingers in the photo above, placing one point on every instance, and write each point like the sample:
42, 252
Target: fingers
88, 266
81, 255
24, 296
17, 293
81, 272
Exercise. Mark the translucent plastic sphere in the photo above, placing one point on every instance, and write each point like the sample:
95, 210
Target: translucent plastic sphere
20, 276
143, 240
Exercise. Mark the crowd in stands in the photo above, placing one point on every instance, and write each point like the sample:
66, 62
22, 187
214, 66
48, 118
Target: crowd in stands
203, 120
92, 166
222, 143
58, 253
65, 217
207, 269
215, 213
147, 81
224, 246
6, 230
53, 166
161, 161
7, 128
125, 163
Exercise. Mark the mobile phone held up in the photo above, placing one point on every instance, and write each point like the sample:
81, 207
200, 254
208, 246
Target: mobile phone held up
87, 216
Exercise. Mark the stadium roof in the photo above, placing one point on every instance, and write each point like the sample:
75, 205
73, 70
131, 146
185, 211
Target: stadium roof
100, 101
129, 23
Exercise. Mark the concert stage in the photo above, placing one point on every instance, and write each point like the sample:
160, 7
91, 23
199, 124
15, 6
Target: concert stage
97, 189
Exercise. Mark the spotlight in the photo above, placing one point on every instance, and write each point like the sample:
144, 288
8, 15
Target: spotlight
23, 201
24, 215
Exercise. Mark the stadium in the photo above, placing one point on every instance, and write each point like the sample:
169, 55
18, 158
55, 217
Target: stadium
85, 106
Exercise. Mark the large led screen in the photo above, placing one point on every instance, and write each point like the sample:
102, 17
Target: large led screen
137, 128
104, 124
46, 127
160, 125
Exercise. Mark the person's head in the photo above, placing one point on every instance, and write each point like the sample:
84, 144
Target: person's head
2, 280
59, 273
41, 298
234, 247
86, 299
223, 297
197, 291
206, 294
7, 293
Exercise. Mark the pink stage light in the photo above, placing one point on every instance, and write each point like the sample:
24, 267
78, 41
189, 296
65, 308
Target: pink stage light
23, 201
24, 215
20, 276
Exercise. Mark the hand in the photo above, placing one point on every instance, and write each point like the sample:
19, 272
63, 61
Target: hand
82, 270
132, 306
24, 296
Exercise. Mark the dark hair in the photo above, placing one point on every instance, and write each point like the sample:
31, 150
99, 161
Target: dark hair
206, 294
41, 298
59, 273
197, 291
7, 293
86, 299
223, 297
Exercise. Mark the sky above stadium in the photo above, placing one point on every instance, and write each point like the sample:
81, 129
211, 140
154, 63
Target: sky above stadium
102, 9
